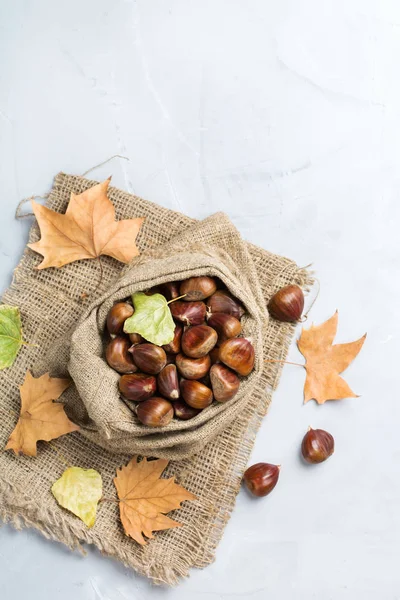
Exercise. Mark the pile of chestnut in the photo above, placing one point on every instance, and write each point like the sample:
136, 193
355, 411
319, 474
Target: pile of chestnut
203, 362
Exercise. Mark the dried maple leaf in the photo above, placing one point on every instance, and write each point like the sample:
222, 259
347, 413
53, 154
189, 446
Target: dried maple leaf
40, 417
144, 497
324, 362
88, 229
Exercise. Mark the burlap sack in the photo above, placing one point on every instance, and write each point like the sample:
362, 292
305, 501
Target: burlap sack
213, 247
51, 302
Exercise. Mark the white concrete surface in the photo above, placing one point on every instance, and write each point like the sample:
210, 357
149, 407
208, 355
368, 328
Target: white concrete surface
286, 115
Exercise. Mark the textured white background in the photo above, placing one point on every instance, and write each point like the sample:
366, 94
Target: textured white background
286, 115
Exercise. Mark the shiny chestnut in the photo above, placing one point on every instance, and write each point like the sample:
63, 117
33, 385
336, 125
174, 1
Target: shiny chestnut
149, 358
168, 383
238, 354
196, 394
223, 302
198, 341
224, 382
183, 411
188, 313
155, 412
197, 288
226, 326
117, 316
118, 357
193, 368
261, 478
137, 387
317, 445
287, 304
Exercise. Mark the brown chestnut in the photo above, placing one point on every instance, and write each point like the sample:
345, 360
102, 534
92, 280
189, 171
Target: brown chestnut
117, 316
155, 412
261, 478
118, 357
224, 382
188, 313
193, 368
198, 341
317, 445
196, 394
225, 325
223, 302
238, 354
197, 288
135, 338
287, 304
175, 346
170, 290
167, 382
183, 411
137, 387
149, 358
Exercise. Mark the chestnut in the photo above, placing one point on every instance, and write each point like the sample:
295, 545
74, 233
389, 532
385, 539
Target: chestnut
155, 412
224, 382
198, 341
197, 288
183, 411
196, 394
149, 358
118, 357
188, 313
287, 304
137, 387
238, 354
167, 382
261, 478
193, 368
225, 325
175, 346
223, 302
117, 316
170, 290
317, 445
135, 338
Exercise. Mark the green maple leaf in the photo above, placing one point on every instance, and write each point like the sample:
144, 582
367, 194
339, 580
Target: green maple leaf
152, 319
10, 334
79, 491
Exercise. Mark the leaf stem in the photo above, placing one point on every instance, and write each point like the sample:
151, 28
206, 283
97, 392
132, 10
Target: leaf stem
285, 362
101, 275
175, 299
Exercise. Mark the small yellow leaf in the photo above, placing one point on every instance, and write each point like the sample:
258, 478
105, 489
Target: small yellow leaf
79, 490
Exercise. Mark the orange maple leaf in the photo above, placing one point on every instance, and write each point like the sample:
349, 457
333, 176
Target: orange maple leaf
144, 498
40, 417
88, 229
324, 362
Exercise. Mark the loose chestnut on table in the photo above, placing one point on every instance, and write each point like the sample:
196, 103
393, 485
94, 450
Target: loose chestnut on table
287, 304
317, 445
261, 478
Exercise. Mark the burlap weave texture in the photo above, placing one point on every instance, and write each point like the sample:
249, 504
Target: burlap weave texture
51, 302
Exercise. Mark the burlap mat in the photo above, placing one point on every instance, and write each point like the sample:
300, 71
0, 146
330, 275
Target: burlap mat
51, 301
